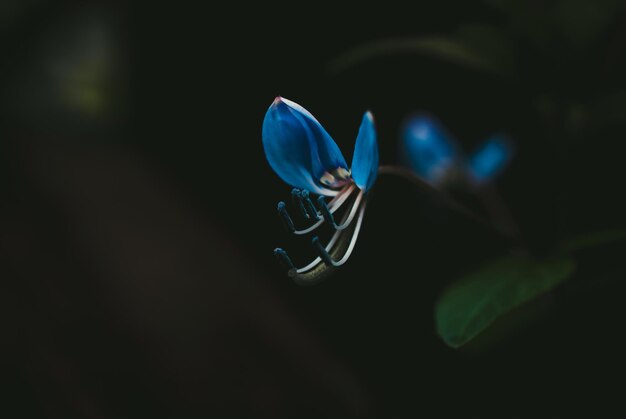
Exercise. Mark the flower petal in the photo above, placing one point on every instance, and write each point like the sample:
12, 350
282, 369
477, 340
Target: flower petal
298, 148
365, 158
428, 148
490, 159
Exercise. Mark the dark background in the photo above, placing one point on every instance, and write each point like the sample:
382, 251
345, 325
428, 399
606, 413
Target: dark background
138, 217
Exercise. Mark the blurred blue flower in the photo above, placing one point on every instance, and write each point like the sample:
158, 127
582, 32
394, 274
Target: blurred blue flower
435, 156
305, 156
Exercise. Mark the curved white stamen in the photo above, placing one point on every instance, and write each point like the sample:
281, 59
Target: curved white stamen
333, 206
353, 210
317, 260
355, 235
333, 240
338, 200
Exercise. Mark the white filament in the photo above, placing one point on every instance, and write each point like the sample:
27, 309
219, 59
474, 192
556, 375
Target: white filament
333, 240
333, 206
355, 235
353, 210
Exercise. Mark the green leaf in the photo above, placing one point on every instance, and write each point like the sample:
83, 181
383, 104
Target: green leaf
474, 302
478, 47
590, 240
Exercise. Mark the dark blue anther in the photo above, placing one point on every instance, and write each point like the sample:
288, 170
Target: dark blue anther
296, 197
312, 211
285, 216
282, 256
323, 254
328, 216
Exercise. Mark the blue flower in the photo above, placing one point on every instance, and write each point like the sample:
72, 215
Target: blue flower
305, 156
435, 156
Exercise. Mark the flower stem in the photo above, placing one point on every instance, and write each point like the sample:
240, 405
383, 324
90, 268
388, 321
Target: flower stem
499, 211
502, 224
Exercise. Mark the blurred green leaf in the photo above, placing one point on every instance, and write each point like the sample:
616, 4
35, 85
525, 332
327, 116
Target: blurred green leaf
474, 302
590, 240
478, 47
